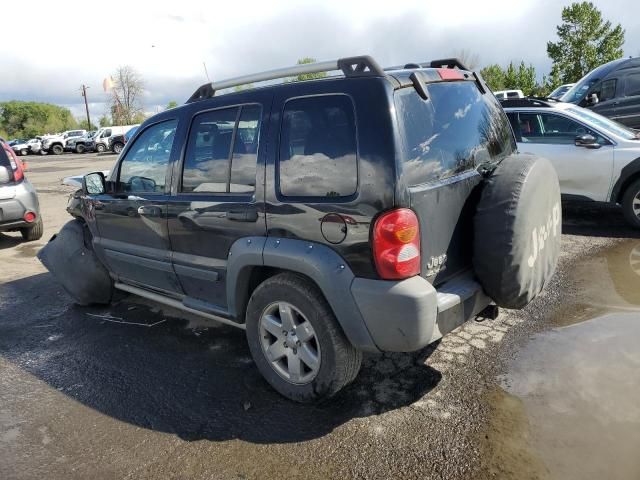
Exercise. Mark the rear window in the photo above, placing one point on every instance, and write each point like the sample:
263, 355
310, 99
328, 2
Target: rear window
456, 129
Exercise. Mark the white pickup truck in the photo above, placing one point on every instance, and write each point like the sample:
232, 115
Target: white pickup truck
55, 143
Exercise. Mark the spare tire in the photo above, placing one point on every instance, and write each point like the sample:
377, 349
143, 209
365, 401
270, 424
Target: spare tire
69, 256
517, 230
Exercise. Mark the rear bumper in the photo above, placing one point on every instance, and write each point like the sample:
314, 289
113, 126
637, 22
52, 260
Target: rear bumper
12, 210
407, 315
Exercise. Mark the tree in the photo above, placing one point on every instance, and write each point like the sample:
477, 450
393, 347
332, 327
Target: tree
127, 88
171, 104
494, 76
83, 124
585, 42
308, 76
104, 121
511, 78
28, 119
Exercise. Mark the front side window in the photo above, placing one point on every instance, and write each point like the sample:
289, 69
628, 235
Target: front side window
144, 168
607, 90
553, 129
318, 146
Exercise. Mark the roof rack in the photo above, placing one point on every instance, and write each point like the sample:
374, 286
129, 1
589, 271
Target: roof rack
350, 66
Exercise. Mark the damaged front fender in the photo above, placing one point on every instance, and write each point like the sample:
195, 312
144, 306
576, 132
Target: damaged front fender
69, 256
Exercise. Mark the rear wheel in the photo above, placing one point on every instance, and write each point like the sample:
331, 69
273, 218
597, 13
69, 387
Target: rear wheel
33, 233
296, 341
117, 147
631, 204
100, 148
80, 148
57, 150
24, 152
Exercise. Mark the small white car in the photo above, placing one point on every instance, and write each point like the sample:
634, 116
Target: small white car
507, 94
596, 158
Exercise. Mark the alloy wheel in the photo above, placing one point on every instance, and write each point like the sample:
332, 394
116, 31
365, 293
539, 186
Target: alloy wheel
289, 343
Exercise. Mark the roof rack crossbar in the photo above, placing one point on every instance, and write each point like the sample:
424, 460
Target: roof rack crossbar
447, 62
350, 67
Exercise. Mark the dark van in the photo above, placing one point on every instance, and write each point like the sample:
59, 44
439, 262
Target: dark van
612, 90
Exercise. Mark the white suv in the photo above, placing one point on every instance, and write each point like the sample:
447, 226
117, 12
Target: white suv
595, 158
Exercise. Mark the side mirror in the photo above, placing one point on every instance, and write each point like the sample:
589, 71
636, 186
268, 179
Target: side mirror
93, 184
587, 141
5, 175
593, 99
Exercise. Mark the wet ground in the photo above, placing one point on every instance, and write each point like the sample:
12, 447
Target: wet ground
138, 391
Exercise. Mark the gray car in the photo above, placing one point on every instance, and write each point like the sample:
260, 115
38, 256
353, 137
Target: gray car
19, 208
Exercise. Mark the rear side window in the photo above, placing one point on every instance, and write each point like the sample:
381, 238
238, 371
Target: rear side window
222, 151
456, 129
632, 86
318, 146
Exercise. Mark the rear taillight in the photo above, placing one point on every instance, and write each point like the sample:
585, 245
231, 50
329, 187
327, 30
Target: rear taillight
29, 217
16, 164
396, 244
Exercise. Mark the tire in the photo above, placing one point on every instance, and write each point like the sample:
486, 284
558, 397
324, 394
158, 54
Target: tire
338, 362
57, 150
31, 234
80, 148
632, 196
517, 230
24, 152
100, 148
117, 147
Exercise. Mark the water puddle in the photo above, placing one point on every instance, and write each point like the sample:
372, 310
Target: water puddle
569, 406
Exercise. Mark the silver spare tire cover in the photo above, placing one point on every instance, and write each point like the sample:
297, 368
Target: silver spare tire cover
518, 225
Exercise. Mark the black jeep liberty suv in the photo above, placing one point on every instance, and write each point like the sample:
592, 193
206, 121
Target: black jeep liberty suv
371, 210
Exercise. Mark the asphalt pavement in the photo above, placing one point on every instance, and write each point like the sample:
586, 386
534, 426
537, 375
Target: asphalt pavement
137, 390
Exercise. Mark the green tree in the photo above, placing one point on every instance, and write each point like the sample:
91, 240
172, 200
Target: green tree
28, 119
83, 124
527, 79
171, 104
308, 76
511, 80
494, 76
585, 41
104, 121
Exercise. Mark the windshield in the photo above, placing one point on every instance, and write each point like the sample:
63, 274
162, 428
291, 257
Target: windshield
580, 89
604, 123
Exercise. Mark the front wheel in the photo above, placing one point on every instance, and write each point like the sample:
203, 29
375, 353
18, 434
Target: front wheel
24, 152
117, 147
631, 204
57, 150
100, 148
296, 341
80, 148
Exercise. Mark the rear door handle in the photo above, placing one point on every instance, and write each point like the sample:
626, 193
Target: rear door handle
149, 211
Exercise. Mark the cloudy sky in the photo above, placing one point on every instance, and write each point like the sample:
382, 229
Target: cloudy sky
48, 51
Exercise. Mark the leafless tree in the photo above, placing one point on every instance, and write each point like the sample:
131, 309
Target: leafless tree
126, 96
468, 58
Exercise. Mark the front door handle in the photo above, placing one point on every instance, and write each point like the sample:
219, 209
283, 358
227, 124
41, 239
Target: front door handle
149, 211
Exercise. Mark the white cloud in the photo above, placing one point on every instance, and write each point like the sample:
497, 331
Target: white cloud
56, 49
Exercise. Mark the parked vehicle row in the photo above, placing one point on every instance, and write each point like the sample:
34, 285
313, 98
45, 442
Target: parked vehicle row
76, 141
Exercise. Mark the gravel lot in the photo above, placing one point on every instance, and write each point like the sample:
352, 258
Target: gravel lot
147, 392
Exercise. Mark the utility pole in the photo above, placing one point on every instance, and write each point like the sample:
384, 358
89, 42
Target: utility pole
86, 105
